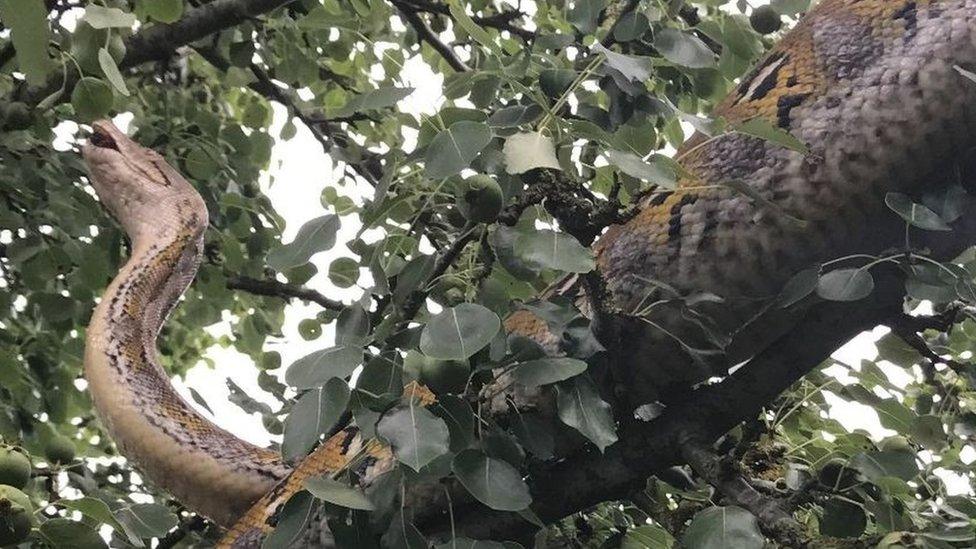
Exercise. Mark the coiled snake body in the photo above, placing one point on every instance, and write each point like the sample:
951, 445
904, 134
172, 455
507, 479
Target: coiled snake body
872, 87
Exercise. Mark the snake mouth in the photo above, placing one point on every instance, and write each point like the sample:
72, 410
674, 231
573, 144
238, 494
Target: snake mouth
102, 139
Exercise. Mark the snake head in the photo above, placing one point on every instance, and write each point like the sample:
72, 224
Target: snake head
137, 186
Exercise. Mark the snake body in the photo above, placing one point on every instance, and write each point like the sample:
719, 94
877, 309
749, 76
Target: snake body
873, 88
204, 466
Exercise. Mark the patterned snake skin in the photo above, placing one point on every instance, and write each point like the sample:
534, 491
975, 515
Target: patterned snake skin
871, 87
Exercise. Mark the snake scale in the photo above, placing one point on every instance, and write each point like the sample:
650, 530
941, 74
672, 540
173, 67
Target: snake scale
876, 89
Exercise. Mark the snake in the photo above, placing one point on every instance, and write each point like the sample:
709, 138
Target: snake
880, 93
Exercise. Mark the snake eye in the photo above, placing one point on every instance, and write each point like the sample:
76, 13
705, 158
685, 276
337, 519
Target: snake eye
102, 139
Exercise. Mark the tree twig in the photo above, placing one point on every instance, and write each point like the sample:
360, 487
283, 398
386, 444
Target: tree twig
274, 288
427, 35
501, 21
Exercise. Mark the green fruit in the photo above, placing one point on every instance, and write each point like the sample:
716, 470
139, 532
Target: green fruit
17, 116
310, 329
15, 515
765, 20
480, 198
444, 376
896, 443
59, 450
15, 467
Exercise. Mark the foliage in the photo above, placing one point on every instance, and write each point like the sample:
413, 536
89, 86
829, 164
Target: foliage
595, 92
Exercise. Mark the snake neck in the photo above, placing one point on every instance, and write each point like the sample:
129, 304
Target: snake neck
212, 471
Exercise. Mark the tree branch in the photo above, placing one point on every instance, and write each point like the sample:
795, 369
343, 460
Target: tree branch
773, 518
326, 132
273, 288
501, 21
159, 41
427, 35
587, 478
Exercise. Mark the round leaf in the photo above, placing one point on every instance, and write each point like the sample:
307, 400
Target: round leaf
723, 527
416, 435
92, 98
915, 214
845, 285
493, 481
314, 369
683, 49
453, 149
459, 332
547, 370
344, 272
338, 493
314, 414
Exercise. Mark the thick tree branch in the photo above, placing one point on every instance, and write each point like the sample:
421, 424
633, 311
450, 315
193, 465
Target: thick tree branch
159, 41
773, 517
580, 481
273, 288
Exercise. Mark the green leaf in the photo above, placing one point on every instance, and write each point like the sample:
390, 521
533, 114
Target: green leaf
97, 510
767, 131
647, 537
842, 519
315, 236
293, 521
164, 11
801, 285
723, 527
29, 33
453, 149
635, 166
416, 435
314, 414
92, 98
547, 370
344, 272
466, 543
314, 369
877, 465
512, 117
459, 332
547, 249
62, 532
380, 98
492, 481
585, 15
527, 151
338, 493
845, 285
470, 27
111, 71
682, 48
915, 214
580, 406
630, 27
101, 17
635, 69
200, 165
146, 520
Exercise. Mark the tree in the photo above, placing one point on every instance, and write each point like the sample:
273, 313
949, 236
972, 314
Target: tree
534, 97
